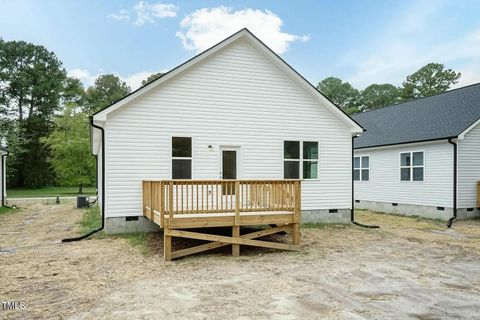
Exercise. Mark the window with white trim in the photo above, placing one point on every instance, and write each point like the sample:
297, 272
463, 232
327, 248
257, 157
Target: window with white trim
300, 159
361, 168
181, 158
412, 166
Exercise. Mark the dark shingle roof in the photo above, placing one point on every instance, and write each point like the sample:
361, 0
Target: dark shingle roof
442, 116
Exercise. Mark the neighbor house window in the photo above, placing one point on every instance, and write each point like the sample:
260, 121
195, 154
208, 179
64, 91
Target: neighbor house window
181, 158
300, 159
361, 168
412, 166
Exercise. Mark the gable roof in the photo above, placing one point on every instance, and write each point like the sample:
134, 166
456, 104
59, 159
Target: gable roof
244, 33
446, 115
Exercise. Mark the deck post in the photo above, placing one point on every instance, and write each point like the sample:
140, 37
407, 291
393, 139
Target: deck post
296, 215
170, 203
167, 245
236, 227
162, 203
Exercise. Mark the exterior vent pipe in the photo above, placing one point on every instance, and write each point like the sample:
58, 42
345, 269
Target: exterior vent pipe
103, 188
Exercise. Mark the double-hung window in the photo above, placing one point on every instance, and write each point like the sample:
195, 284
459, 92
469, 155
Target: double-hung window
181, 158
412, 166
300, 159
361, 168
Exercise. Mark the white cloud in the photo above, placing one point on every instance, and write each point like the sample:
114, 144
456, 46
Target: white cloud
402, 48
206, 27
134, 81
121, 15
144, 12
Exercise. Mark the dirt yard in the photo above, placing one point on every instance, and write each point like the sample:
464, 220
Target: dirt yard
407, 269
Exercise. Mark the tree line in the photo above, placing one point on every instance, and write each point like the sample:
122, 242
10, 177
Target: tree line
430, 79
44, 113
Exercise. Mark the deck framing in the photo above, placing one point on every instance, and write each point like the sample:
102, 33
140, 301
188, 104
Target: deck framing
176, 205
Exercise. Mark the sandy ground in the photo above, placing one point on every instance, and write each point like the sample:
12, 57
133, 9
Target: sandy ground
408, 269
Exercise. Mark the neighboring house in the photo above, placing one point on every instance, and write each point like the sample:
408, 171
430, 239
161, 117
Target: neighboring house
3, 171
235, 111
421, 157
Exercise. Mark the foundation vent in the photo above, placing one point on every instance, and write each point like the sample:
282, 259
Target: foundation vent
394, 204
441, 208
332, 210
131, 218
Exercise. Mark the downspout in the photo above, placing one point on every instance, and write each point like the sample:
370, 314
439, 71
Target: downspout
4, 185
450, 221
103, 188
352, 211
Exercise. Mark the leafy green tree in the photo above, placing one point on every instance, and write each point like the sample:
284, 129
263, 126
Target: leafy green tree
152, 77
108, 88
377, 96
340, 93
32, 82
69, 144
430, 79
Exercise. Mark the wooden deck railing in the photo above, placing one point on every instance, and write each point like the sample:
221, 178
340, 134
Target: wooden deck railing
171, 197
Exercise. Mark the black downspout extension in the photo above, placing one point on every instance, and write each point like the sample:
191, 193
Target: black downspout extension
352, 211
103, 188
4, 156
450, 221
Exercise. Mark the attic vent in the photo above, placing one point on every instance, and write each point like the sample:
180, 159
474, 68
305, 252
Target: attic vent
441, 208
131, 218
394, 204
332, 210
470, 209
357, 201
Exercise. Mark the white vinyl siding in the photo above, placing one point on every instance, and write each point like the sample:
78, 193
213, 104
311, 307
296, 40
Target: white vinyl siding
468, 168
236, 97
3, 169
385, 184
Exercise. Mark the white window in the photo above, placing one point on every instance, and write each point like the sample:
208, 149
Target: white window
181, 158
300, 159
361, 168
412, 166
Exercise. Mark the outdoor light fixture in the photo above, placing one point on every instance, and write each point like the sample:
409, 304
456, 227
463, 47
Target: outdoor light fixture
210, 148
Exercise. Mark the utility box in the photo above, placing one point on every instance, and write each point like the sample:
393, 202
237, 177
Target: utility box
82, 202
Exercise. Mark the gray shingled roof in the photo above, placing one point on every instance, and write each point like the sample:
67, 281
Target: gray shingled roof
442, 116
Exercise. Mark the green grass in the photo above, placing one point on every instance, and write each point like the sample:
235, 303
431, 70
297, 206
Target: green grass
5, 210
137, 239
91, 220
48, 192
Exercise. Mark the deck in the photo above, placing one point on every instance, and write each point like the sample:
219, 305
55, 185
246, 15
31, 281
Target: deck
176, 205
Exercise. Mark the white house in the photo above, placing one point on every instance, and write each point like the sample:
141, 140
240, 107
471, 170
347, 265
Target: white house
235, 111
421, 157
3, 171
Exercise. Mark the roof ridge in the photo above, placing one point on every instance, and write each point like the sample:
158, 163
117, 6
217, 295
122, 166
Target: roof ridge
421, 98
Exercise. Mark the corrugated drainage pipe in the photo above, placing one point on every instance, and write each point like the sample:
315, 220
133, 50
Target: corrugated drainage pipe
103, 188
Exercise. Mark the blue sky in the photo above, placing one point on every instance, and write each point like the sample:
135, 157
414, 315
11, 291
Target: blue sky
362, 42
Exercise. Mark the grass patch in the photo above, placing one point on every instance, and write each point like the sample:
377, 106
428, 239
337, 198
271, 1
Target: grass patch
137, 239
6, 210
91, 220
49, 192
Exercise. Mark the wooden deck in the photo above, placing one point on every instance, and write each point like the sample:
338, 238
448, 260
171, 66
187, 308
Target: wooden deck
176, 205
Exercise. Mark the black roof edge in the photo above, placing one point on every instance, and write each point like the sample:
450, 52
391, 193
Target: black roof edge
4, 149
421, 98
170, 71
214, 46
406, 142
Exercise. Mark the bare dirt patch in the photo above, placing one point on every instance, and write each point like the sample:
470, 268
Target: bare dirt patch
409, 269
